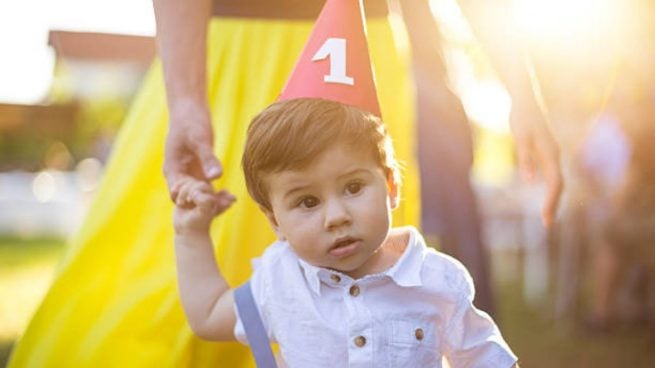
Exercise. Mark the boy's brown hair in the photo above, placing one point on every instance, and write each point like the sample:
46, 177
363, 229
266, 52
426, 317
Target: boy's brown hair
289, 134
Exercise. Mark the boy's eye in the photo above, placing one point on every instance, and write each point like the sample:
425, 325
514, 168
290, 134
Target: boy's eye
354, 188
309, 202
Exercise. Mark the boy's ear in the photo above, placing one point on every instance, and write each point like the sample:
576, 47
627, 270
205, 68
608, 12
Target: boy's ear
392, 187
271, 220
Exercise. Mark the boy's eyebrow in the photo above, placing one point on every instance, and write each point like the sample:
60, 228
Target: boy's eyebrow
291, 192
299, 188
354, 171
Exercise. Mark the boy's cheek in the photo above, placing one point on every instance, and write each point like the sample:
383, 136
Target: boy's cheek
273, 221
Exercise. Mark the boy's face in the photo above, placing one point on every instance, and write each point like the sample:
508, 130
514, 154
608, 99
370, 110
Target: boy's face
336, 212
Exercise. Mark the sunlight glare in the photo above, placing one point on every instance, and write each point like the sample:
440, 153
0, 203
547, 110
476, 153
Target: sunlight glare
44, 187
89, 172
21, 292
553, 19
488, 104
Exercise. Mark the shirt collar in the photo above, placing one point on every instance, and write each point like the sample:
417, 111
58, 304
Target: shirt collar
311, 275
406, 272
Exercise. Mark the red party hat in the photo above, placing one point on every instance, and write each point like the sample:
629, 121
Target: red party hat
335, 63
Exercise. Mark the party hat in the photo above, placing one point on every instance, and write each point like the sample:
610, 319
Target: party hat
335, 63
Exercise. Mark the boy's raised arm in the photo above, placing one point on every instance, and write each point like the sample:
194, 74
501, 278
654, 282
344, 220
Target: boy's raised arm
206, 297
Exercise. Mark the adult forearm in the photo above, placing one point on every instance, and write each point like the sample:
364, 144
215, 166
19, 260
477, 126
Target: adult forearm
181, 39
425, 41
201, 284
494, 26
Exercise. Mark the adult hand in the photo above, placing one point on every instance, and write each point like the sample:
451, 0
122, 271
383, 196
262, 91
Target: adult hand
189, 147
537, 150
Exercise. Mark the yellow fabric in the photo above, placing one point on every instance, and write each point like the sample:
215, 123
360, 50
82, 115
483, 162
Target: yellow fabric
114, 302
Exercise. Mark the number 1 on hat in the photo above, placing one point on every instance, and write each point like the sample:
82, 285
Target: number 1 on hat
335, 49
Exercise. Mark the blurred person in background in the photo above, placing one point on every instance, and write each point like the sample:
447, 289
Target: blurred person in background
449, 212
449, 207
602, 161
582, 67
218, 72
632, 224
624, 269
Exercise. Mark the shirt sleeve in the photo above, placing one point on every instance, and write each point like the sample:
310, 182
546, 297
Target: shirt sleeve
471, 336
239, 331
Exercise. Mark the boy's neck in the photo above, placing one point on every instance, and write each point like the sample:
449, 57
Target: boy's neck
397, 240
387, 255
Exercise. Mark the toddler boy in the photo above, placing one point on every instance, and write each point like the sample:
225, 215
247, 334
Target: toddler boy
340, 287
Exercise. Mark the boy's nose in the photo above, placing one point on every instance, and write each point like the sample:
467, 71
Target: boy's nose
336, 215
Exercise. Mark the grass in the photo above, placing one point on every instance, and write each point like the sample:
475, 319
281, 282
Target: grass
26, 271
27, 266
540, 342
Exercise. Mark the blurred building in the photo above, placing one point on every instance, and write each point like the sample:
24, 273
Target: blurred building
98, 65
51, 153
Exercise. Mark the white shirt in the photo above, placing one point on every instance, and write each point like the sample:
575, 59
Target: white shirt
411, 315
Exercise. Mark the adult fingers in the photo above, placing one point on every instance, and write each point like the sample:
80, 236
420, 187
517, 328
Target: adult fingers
211, 167
174, 166
525, 153
549, 163
174, 182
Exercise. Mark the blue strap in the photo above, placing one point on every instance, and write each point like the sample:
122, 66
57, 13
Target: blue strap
252, 324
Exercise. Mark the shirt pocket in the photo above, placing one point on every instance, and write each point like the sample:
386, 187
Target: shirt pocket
414, 343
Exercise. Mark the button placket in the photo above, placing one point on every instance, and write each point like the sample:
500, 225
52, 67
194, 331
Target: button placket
362, 344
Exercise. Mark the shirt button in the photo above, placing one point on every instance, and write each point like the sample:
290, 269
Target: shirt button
419, 334
335, 278
354, 290
360, 341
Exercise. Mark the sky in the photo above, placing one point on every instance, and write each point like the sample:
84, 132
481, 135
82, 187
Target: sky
26, 61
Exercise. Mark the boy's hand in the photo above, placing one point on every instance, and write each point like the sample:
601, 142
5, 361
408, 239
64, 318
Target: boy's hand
196, 206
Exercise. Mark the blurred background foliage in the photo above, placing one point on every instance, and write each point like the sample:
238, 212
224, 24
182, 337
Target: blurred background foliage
92, 128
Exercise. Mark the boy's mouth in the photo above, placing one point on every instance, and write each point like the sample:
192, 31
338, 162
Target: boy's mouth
344, 247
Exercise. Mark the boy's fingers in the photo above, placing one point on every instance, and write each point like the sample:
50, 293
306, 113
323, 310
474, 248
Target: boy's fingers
201, 194
205, 202
182, 194
223, 201
211, 203
186, 191
224, 194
